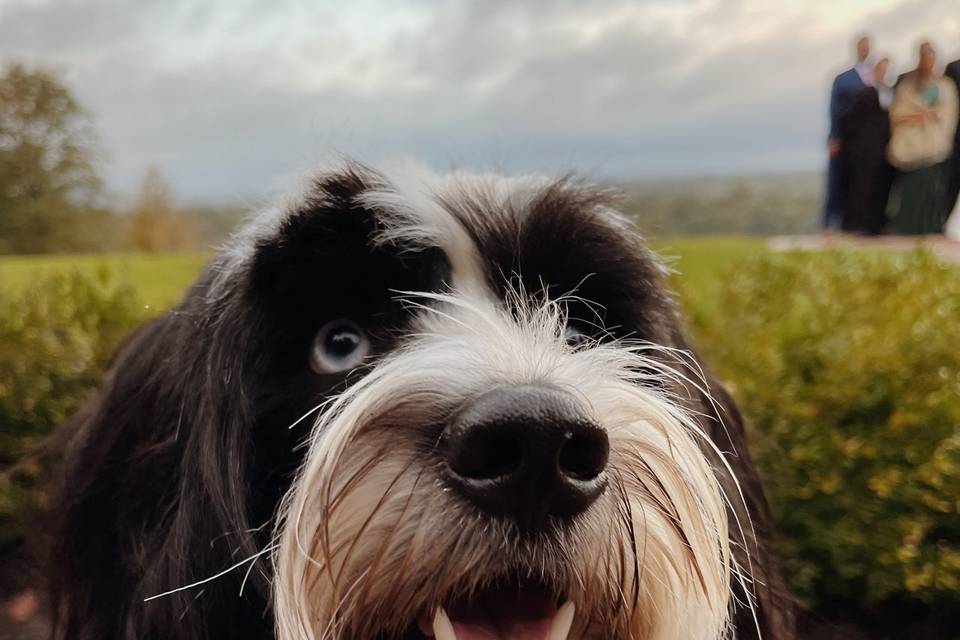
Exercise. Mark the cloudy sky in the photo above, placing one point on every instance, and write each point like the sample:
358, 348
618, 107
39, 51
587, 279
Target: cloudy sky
225, 97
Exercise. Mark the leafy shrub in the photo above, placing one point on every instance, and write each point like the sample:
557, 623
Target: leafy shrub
848, 367
55, 339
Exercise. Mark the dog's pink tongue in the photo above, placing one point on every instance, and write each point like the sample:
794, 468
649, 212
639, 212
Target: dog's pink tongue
526, 615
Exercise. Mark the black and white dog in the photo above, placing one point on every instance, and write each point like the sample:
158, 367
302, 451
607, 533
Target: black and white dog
399, 405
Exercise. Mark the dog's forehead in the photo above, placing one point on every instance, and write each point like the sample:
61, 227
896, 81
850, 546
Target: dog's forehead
493, 227
493, 230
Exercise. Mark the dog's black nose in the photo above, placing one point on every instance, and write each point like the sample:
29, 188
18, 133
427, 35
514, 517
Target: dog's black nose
526, 452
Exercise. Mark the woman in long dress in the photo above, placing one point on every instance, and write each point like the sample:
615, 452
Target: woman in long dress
866, 133
923, 119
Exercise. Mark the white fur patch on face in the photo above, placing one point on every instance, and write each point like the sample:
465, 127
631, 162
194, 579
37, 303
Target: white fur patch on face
407, 201
370, 539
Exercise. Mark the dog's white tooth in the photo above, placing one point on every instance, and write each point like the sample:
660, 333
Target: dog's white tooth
562, 622
442, 627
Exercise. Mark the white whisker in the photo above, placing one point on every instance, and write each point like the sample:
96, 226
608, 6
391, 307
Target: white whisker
186, 587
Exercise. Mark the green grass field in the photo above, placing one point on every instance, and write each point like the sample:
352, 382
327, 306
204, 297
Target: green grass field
161, 279
700, 262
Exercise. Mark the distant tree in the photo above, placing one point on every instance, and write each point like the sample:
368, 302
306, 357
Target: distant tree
728, 206
212, 224
48, 179
156, 225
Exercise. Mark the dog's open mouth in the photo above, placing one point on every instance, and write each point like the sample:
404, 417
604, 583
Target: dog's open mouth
523, 611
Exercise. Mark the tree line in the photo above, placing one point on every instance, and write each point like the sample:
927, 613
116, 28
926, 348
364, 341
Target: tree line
53, 199
52, 195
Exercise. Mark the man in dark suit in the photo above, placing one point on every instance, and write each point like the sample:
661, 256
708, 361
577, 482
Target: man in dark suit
953, 181
846, 87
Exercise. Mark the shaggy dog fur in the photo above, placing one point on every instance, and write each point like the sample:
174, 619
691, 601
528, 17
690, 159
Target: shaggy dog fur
267, 459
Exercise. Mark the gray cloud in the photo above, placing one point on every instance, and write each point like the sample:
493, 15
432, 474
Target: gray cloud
227, 96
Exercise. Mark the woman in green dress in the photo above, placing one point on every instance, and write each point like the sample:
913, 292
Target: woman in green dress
923, 119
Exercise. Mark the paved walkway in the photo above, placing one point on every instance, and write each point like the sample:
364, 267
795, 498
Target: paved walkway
947, 249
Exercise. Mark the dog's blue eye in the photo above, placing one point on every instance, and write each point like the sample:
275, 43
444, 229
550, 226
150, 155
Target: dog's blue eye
575, 336
339, 346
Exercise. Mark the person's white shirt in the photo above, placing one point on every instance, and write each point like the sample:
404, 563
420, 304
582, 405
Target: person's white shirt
865, 71
885, 95
952, 229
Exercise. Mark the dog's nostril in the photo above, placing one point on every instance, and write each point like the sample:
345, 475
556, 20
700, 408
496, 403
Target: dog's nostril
584, 454
486, 456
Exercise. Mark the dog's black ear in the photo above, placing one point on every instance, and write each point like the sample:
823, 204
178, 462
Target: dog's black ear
152, 468
776, 606
752, 529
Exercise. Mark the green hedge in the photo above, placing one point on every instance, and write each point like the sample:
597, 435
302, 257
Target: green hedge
56, 337
848, 367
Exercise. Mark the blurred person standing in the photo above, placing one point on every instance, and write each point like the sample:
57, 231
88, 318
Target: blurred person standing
952, 200
846, 87
924, 121
865, 130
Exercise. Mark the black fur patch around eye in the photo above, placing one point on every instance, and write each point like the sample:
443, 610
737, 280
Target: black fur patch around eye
322, 265
564, 244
